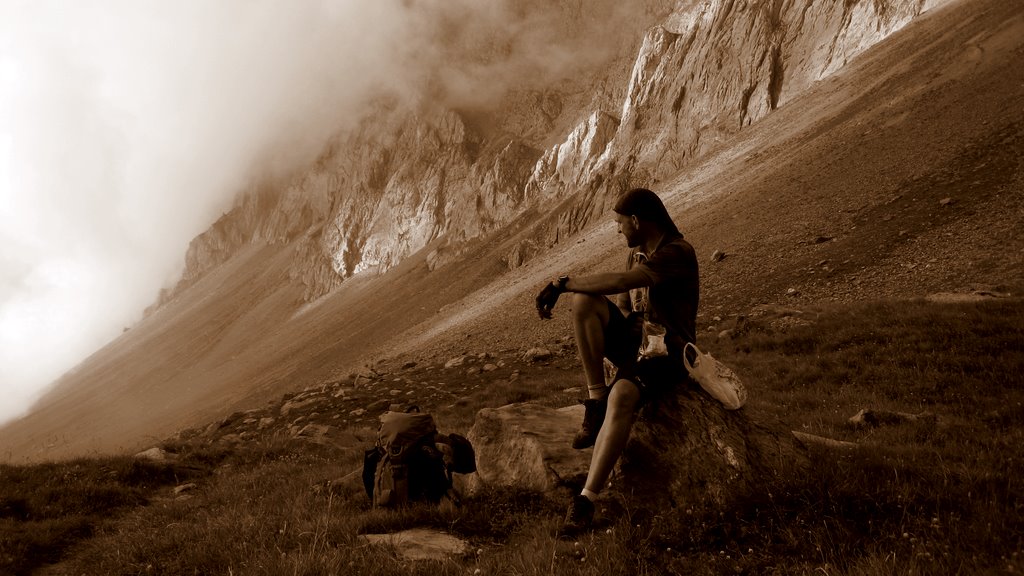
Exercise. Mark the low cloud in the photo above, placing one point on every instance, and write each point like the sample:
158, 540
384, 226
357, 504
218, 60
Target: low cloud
128, 127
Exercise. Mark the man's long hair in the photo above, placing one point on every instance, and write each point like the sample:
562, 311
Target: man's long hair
646, 205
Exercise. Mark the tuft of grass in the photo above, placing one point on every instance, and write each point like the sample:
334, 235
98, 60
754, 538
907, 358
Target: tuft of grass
935, 496
46, 508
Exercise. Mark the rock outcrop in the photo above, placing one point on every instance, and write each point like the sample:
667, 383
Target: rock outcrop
719, 66
527, 446
708, 71
685, 451
689, 452
424, 177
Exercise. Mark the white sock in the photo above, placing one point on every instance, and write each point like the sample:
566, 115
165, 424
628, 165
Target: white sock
590, 494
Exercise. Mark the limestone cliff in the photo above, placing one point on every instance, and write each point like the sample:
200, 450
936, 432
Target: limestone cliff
430, 177
709, 70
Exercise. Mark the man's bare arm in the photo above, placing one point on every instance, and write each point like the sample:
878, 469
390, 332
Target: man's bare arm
607, 283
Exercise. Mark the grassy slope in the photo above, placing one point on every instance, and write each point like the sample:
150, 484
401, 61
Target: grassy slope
934, 496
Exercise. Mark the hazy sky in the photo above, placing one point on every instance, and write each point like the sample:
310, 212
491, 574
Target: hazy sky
127, 127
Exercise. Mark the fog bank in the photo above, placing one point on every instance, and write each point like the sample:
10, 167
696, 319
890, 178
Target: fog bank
128, 127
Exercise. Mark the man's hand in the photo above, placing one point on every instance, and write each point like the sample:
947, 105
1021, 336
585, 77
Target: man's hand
546, 300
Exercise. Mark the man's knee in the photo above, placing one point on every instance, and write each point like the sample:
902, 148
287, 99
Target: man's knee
623, 398
589, 304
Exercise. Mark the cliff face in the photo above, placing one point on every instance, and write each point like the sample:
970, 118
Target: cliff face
424, 176
710, 71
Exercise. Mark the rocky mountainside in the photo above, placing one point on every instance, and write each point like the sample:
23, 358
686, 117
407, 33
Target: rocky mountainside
898, 174
422, 176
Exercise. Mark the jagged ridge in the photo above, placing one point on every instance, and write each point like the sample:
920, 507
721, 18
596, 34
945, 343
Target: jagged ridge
415, 177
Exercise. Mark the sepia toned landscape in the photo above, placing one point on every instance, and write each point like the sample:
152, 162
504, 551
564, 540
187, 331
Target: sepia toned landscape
851, 177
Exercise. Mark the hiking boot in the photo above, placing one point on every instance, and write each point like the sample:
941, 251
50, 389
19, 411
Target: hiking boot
593, 417
579, 518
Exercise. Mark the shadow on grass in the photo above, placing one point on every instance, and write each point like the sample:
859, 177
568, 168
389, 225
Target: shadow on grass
46, 508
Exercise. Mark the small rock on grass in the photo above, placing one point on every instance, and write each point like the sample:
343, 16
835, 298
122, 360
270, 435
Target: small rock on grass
155, 454
454, 362
537, 355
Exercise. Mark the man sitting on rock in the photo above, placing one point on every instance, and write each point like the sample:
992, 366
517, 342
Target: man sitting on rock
642, 334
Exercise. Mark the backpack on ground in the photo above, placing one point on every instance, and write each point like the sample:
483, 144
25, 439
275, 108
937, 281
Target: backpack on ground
412, 462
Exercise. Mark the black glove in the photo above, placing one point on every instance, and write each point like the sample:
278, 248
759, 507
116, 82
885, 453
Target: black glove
546, 300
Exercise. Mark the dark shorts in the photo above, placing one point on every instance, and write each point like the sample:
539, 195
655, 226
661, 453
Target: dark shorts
653, 376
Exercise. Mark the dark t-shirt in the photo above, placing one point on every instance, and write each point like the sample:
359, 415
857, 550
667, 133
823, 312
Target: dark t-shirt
674, 290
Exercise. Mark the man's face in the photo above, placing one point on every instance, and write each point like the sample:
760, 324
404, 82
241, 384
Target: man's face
628, 229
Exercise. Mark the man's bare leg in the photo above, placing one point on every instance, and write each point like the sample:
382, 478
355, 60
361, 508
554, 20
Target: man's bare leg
590, 318
611, 440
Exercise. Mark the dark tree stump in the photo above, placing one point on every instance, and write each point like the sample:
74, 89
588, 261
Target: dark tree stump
686, 451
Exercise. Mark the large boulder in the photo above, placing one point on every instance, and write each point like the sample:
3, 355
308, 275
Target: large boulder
686, 450
527, 446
